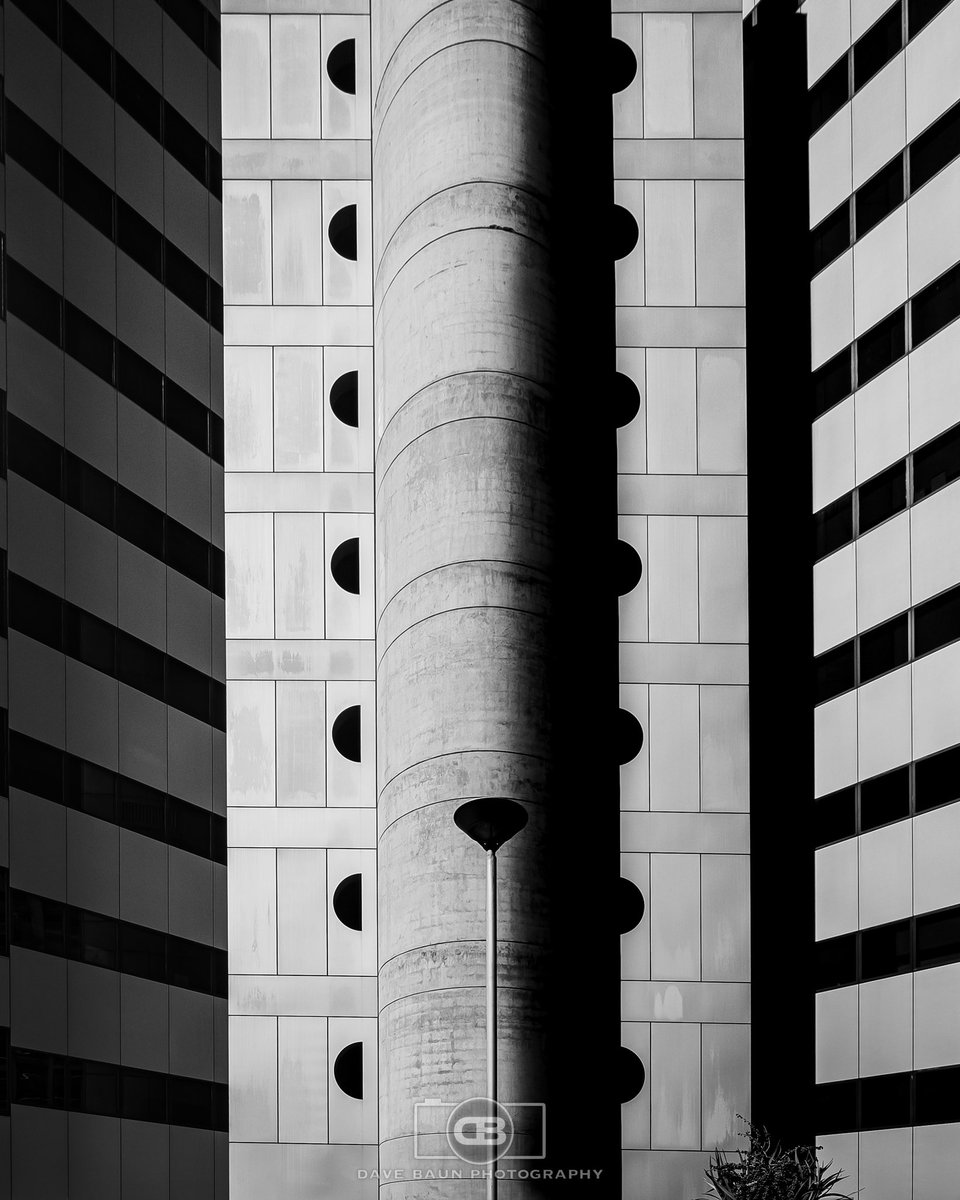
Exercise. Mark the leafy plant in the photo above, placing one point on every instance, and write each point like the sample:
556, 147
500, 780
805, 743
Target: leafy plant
765, 1171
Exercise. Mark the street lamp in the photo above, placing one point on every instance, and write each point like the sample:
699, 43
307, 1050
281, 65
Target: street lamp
491, 822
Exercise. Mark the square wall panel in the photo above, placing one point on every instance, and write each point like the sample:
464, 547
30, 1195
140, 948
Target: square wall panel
675, 1075
725, 917
721, 412
253, 1079
298, 242
720, 238
879, 125
298, 408
934, 550
245, 53
668, 75
835, 599
251, 742
831, 165
302, 1074
886, 1025
633, 606
834, 454
836, 869
840, 1150
629, 270
295, 76
301, 758
717, 87
936, 1033
837, 1017
932, 59
723, 579
932, 228
301, 890
628, 103
883, 571
828, 36
668, 230
936, 701
831, 309
635, 1114
247, 233
936, 881
882, 421
249, 569
886, 1164
880, 271
248, 408
252, 885
674, 738
672, 579
933, 394
724, 748
671, 411
725, 1090
886, 874
299, 574
674, 915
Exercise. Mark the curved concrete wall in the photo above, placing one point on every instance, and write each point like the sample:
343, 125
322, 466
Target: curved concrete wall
466, 337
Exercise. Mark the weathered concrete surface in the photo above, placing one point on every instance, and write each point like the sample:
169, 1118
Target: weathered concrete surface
466, 351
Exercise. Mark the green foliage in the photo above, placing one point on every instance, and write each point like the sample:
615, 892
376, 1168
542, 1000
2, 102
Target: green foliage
764, 1171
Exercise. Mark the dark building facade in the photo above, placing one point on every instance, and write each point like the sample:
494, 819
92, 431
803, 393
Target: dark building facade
114, 841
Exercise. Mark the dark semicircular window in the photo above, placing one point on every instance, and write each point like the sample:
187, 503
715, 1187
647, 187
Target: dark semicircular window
632, 906
342, 232
346, 733
626, 399
629, 736
348, 901
632, 1075
623, 65
348, 1070
625, 231
342, 66
629, 568
344, 398
345, 565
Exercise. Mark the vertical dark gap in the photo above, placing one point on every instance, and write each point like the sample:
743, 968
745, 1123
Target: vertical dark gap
583, 989
779, 416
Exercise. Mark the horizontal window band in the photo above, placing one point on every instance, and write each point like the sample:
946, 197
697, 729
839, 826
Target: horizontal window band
95, 56
80, 935
919, 474
897, 795
894, 1101
59, 472
200, 25
68, 327
55, 622
869, 54
924, 314
74, 782
29, 145
882, 951
39, 1079
902, 639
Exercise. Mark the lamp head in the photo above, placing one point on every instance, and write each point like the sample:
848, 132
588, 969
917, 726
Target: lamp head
491, 821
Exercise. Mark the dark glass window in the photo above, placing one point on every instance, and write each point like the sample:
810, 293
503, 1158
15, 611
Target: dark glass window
885, 1101
140, 665
342, 65
936, 622
140, 381
829, 94
88, 342
189, 1102
143, 952
139, 99
189, 827
36, 923
188, 964
344, 397
879, 196
834, 672
187, 552
138, 238
938, 779
216, 438
90, 491
885, 950
36, 768
185, 279
35, 612
885, 798
937, 305
91, 789
142, 809
921, 12
35, 457
877, 46
833, 526
830, 238
143, 1096
187, 689
140, 523
836, 962
188, 14
938, 938
87, 48
186, 415
91, 938
89, 640
836, 1106
881, 346
342, 230
832, 382
936, 464
186, 145
884, 648
938, 1096
45, 14
32, 147
34, 302
35, 1079
931, 150
348, 902
882, 496
835, 816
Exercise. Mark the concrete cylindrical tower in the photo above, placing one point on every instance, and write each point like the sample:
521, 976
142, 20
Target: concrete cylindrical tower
466, 356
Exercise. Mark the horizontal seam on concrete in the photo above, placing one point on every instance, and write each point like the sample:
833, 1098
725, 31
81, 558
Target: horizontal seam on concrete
463, 183
430, 11
457, 608
456, 375
453, 421
452, 754
461, 987
478, 41
450, 942
454, 233
444, 800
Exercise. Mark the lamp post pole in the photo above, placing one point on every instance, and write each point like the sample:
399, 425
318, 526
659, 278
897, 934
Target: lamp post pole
491, 822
